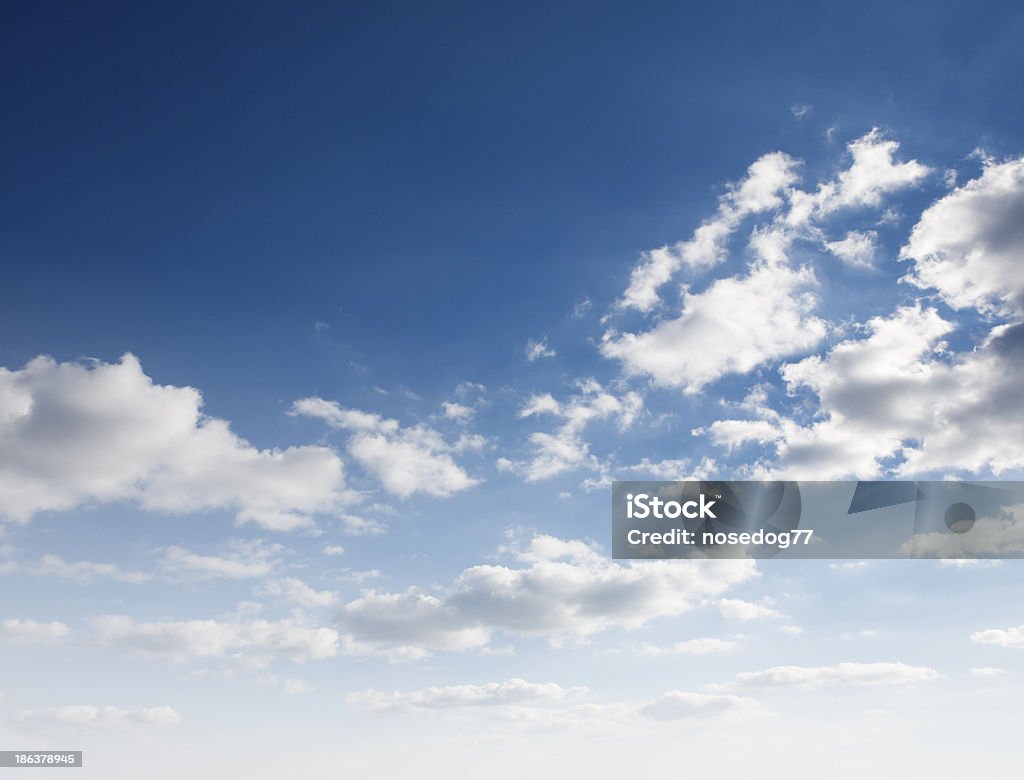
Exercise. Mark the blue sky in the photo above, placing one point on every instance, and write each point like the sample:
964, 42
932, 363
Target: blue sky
326, 329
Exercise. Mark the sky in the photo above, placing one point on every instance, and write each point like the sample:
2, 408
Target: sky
327, 326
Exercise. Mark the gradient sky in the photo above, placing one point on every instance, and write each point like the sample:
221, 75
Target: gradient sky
326, 328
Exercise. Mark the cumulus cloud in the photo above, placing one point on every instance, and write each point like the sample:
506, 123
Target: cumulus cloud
565, 449
89, 715
565, 590
72, 434
761, 190
733, 326
843, 674
896, 395
184, 640
51, 565
1001, 637
513, 691
406, 460
968, 245
32, 632
858, 249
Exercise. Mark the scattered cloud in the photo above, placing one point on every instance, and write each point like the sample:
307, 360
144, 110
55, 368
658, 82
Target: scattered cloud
738, 609
51, 565
406, 460
241, 560
564, 590
676, 705
703, 646
843, 674
185, 640
72, 434
858, 249
21, 631
513, 691
88, 715
1001, 637
294, 591
536, 350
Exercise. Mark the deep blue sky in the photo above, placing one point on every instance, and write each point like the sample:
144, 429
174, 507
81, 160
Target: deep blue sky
426, 179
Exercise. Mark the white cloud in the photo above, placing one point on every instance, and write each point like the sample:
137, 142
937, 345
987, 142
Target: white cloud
565, 590
354, 525
295, 591
989, 536
800, 110
764, 315
987, 671
703, 646
513, 691
761, 190
243, 560
72, 434
1008, 637
32, 631
183, 640
564, 449
334, 549
897, 394
968, 245
89, 715
873, 174
78, 571
536, 350
683, 704
458, 412
843, 674
738, 609
405, 460
858, 249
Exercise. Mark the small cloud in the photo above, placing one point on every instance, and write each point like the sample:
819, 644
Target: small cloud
321, 327
293, 687
579, 311
987, 671
800, 110
334, 549
738, 609
535, 350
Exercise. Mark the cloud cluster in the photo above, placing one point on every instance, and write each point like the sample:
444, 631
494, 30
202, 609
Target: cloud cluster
564, 590
406, 460
73, 434
768, 311
565, 449
184, 640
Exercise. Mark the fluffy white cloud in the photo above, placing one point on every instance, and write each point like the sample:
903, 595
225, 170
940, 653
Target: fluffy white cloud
89, 715
535, 350
513, 691
78, 571
334, 549
759, 191
564, 590
898, 394
565, 449
684, 704
405, 460
183, 640
1001, 637
857, 249
843, 674
733, 326
72, 434
32, 631
242, 560
969, 245
295, 591
458, 412
873, 173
